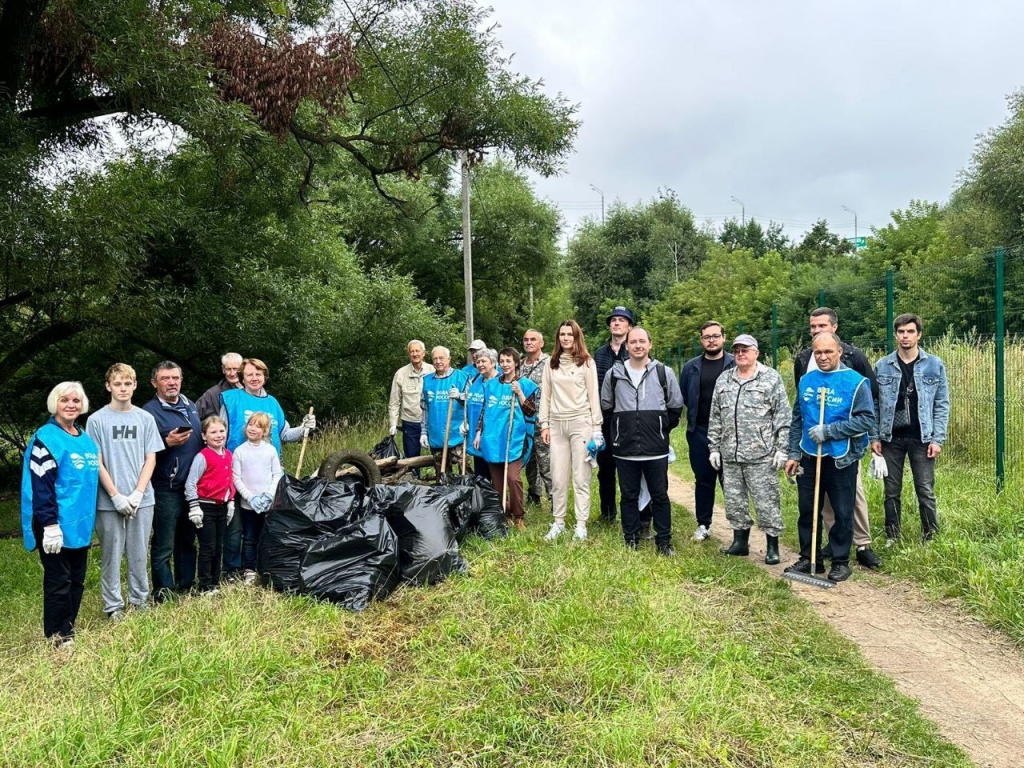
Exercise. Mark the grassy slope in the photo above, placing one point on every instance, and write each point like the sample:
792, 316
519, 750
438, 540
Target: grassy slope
546, 655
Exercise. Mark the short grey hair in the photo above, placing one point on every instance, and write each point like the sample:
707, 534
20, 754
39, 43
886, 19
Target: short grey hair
447, 352
489, 353
66, 388
415, 343
230, 357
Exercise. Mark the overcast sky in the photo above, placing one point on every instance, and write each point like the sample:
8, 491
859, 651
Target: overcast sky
795, 107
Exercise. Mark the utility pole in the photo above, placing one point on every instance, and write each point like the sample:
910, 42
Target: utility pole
743, 209
601, 193
854, 221
675, 258
531, 300
467, 249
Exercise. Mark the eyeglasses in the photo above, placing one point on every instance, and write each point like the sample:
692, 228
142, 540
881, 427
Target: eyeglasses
711, 337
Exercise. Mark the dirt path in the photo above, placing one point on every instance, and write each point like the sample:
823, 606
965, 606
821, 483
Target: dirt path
968, 678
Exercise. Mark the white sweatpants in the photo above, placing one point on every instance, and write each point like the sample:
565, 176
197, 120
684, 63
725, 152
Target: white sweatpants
569, 463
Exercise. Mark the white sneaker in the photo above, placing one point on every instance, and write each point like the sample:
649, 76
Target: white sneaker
581, 533
116, 616
249, 577
557, 529
702, 533
890, 543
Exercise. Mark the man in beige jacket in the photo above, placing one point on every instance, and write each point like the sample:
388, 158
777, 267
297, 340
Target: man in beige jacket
404, 404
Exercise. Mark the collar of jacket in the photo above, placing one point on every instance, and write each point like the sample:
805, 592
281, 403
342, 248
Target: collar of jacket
620, 366
892, 357
734, 372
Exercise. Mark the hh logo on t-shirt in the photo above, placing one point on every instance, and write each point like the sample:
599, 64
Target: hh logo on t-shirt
124, 432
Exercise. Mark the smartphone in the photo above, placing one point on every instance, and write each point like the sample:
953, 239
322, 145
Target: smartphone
180, 430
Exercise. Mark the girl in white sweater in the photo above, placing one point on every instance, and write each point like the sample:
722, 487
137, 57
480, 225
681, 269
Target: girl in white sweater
569, 418
256, 470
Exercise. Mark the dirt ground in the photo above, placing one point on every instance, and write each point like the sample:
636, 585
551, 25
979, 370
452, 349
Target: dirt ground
968, 678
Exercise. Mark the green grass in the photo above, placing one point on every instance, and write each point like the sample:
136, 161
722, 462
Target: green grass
546, 654
978, 556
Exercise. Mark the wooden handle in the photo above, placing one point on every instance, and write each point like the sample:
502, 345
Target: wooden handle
447, 432
302, 450
817, 484
508, 448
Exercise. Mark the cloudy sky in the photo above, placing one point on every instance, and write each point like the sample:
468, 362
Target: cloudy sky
795, 107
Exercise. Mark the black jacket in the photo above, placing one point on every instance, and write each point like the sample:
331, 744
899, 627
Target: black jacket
604, 359
689, 384
851, 358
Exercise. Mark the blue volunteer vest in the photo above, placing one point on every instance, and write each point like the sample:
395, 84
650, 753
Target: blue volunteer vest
495, 438
474, 404
435, 397
78, 480
842, 387
240, 405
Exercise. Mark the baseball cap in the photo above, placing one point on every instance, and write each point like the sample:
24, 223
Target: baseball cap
745, 340
477, 345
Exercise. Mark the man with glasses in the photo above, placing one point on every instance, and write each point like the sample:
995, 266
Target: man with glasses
825, 319
697, 382
538, 468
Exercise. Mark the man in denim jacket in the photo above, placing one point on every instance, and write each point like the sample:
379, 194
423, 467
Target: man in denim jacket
912, 412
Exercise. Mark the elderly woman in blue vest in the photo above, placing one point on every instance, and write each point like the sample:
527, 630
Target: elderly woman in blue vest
236, 406
842, 437
445, 385
487, 372
504, 435
59, 486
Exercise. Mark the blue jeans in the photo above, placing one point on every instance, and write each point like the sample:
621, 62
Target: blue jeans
233, 541
895, 453
252, 527
841, 487
174, 537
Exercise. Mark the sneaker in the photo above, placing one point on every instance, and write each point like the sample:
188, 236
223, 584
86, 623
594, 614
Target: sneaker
580, 534
803, 565
839, 572
249, 576
62, 643
867, 557
535, 500
890, 543
116, 616
210, 592
632, 545
646, 534
556, 530
665, 550
702, 533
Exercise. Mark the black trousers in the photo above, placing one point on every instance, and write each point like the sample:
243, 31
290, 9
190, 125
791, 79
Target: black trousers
704, 475
63, 585
606, 475
841, 487
655, 471
211, 543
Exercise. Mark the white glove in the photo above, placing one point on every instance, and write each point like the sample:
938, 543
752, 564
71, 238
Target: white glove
308, 423
394, 431
463, 429
231, 510
878, 468
715, 460
780, 459
424, 441
261, 503
454, 394
671, 454
195, 515
135, 498
53, 539
122, 504
817, 433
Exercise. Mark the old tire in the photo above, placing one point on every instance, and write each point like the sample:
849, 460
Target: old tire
368, 469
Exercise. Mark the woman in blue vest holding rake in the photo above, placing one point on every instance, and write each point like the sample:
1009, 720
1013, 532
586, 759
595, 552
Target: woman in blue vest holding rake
59, 485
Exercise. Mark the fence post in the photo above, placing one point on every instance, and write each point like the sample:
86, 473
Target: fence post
696, 346
1000, 378
679, 359
775, 336
890, 314
821, 297
739, 329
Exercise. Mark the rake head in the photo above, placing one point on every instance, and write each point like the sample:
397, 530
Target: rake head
806, 578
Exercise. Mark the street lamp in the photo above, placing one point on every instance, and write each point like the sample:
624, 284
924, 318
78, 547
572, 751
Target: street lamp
743, 209
846, 208
601, 193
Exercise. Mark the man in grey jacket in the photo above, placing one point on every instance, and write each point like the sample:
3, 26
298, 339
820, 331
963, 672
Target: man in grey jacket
748, 439
646, 403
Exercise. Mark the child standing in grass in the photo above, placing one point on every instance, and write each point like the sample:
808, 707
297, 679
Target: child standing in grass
257, 471
210, 492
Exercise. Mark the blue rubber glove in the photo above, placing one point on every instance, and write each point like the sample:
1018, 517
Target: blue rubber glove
817, 433
595, 446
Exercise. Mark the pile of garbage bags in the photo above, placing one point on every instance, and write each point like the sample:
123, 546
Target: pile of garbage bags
334, 540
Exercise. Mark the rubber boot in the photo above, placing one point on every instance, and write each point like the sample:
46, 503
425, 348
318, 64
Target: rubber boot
740, 544
771, 555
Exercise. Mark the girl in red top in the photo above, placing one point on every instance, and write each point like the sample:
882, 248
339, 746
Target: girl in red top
210, 493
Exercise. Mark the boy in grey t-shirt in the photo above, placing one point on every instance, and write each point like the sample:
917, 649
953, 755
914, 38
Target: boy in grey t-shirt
128, 440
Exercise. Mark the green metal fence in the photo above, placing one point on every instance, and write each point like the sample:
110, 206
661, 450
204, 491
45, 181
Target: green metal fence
973, 313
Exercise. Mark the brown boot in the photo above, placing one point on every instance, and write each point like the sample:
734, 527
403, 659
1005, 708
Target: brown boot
520, 524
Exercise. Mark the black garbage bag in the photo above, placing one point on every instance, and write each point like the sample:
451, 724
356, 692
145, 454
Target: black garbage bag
357, 564
421, 516
463, 510
487, 519
302, 512
386, 449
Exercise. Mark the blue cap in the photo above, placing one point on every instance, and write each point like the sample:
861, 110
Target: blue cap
621, 312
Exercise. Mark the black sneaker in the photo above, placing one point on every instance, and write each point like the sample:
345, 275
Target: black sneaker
867, 557
645, 531
535, 500
632, 545
665, 550
839, 572
803, 565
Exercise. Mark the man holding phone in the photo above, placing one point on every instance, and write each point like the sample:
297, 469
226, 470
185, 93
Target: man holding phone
178, 423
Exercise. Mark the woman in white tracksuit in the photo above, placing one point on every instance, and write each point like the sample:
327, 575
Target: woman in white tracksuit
570, 418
